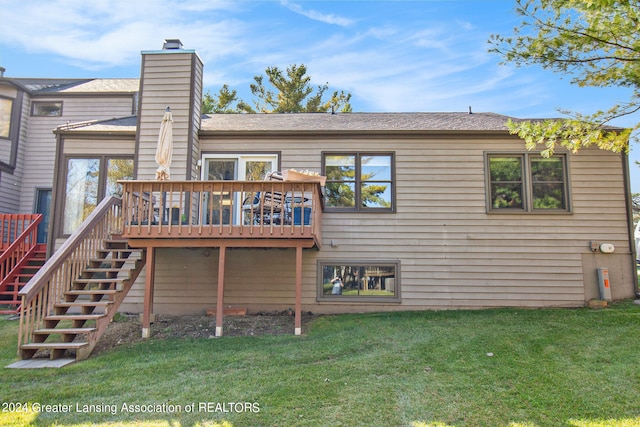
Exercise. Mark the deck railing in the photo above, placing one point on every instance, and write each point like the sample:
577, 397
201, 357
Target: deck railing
48, 285
17, 252
222, 209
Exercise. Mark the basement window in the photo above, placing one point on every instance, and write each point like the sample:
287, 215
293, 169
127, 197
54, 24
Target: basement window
362, 281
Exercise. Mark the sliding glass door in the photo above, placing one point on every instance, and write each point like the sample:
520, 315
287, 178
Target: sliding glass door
223, 206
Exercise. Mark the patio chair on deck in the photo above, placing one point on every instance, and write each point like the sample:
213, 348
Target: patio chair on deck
266, 207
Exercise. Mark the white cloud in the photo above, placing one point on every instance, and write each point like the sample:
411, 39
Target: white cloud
318, 16
388, 63
101, 34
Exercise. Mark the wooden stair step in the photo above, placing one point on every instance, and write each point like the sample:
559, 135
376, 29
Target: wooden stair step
93, 292
116, 259
101, 269
75, 316
83, 303
118, 248
105, 260
113, 249
105, 280
67, 331
54, 345
116, 242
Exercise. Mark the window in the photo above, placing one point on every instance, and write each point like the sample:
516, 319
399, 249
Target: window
46, 109
359, 181
527, 183
88, 181
6, 106
359, 281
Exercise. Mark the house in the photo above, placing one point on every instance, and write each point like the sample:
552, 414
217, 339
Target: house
414, 211
30, 109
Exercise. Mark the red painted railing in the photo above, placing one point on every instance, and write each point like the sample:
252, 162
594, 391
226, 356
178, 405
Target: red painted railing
12, 226
21, 233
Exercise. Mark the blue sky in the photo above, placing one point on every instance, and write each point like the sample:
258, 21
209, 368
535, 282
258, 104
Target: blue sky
429, 55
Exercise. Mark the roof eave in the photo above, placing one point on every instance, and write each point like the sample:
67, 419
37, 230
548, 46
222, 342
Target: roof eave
353, 133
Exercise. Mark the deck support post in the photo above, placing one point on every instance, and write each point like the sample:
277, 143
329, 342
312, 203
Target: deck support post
150, 268
298, 314
220, 298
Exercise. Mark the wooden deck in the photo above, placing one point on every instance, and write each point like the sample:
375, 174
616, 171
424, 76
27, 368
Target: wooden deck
222, 213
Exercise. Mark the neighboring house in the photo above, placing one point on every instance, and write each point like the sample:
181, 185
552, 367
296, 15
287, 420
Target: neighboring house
418, 211
30, 108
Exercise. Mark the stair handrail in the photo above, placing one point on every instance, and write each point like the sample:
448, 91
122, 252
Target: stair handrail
48, 285
21, 248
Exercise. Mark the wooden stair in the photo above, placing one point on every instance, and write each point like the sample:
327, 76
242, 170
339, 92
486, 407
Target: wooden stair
9, 299
75, 324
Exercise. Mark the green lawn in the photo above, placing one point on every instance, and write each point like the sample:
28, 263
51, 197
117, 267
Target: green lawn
506, 367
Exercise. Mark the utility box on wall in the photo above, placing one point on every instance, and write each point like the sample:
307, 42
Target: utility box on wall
604, 284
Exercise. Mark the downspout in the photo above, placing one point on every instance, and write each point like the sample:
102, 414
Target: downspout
630, 227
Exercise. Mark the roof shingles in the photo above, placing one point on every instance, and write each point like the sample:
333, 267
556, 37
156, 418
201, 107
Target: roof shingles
354, 122
321, 122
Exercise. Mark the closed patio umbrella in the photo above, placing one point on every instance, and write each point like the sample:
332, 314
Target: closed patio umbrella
165, 146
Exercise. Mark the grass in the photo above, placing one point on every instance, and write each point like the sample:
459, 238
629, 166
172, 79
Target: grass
503, 367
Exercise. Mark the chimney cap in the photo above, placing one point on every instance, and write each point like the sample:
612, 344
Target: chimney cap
172, 44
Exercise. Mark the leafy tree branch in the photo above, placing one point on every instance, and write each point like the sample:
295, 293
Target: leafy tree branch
597, 43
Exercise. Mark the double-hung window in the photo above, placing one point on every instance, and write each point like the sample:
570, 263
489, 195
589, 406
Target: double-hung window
359, 181
527, 183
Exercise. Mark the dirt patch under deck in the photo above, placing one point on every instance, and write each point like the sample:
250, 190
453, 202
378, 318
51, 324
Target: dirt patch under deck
127, 329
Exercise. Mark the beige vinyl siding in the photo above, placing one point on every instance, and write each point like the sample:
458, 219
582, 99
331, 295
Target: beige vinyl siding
452, 252
40, 156
186, 281
99, 147
166, 82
